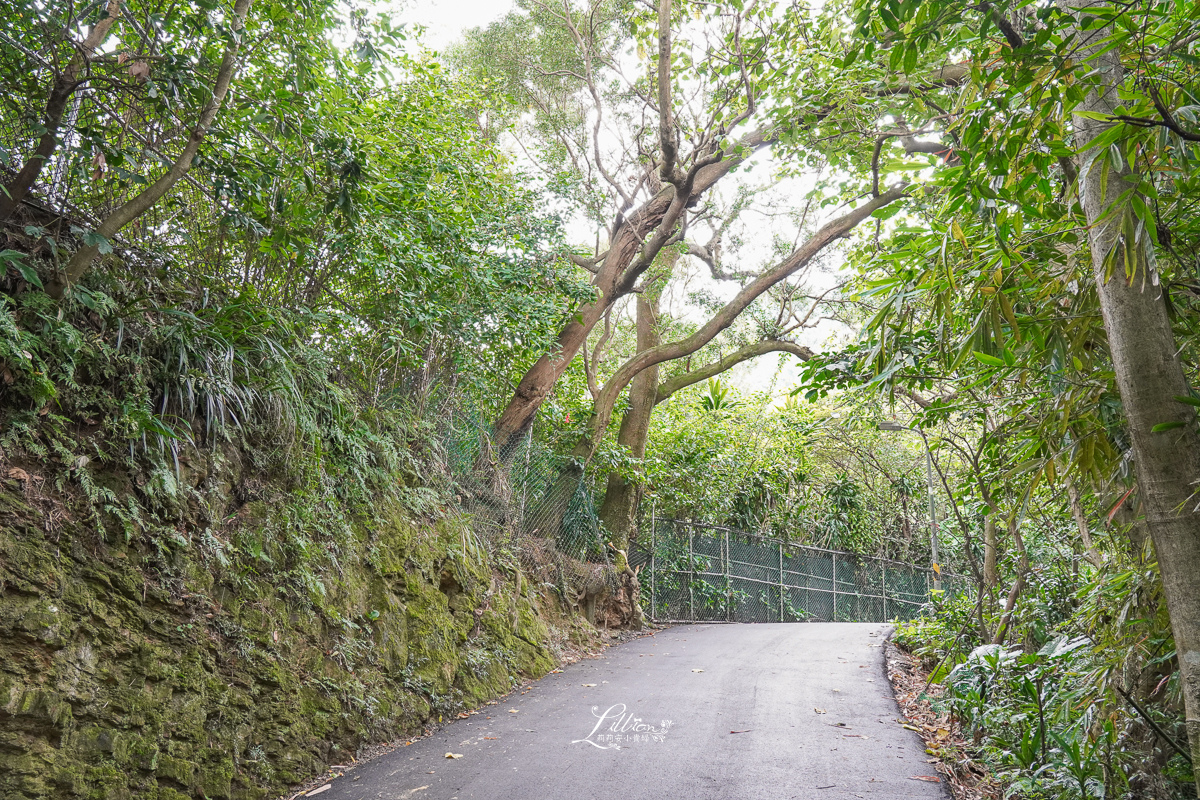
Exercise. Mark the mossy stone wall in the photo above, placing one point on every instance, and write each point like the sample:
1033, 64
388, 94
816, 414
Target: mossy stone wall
123, 679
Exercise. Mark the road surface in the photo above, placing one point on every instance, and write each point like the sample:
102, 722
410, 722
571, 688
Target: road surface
728, 712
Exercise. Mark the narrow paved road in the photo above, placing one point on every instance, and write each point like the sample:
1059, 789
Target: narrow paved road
729, 712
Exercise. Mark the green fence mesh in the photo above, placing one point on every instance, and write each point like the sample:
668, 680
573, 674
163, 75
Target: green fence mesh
529, 504
537, 507
693, 572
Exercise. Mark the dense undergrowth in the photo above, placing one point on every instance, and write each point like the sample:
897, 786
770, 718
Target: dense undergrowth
1084, 701
139, 381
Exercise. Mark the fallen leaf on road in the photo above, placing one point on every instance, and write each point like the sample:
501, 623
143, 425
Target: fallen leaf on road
324, 788
697, 670
745, 731
911, 728
819, 710
589, 684
453, 755
513, 711
926, 778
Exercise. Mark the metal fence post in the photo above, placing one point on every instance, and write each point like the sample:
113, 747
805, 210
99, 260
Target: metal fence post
691, 578
883, 566
653, 555
728, 582
835, 592
781, 582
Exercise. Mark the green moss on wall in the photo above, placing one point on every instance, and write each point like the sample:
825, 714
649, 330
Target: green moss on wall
232, 669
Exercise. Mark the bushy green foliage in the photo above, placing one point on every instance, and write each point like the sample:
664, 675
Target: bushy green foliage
1051, 716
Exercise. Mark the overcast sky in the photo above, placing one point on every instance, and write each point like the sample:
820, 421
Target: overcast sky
446, 19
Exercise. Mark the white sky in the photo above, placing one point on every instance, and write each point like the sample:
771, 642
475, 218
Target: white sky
447, 19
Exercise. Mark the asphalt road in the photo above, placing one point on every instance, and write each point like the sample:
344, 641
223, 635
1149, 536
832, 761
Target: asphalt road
736, 712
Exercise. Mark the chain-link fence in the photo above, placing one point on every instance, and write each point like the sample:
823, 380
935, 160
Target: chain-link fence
693, 572
532, 505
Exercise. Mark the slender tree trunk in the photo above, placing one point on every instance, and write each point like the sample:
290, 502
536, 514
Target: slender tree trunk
991, 548
1149, 376
1089, 548
142, 202
1010, 603
1134, 529
619, 509
64, 87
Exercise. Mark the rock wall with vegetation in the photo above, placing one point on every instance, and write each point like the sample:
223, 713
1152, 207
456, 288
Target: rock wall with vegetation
232, 669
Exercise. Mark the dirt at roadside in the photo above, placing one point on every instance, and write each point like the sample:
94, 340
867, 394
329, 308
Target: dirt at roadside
966, 778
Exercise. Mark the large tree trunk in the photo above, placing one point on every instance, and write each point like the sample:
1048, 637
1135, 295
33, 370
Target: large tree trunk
1149, 377
638, 240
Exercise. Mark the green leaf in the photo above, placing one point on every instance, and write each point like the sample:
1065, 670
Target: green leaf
957, 232
1166, 426
16, 260
991, 361
101, 243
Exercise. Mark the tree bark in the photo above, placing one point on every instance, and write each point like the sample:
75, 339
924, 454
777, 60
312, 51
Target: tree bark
142, 202
64, 87
825, 236
991, 547
628, 256
1010, 603
1089, 548
1148, 372
619, 509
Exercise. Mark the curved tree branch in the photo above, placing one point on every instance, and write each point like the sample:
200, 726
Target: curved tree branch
142, 202
826, 235
759, 348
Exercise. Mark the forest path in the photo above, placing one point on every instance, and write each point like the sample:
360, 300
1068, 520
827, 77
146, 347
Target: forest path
728, 712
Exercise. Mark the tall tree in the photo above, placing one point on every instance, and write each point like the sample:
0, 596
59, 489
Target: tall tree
638, 143
1156, 396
